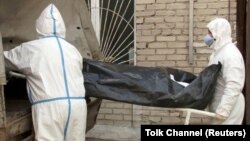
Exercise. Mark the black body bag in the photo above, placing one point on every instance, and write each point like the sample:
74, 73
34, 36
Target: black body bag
149, 86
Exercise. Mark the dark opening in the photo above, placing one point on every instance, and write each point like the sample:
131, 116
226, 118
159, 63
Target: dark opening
16, 89
17, 107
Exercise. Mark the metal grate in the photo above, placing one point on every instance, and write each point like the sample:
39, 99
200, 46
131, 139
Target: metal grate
113, 21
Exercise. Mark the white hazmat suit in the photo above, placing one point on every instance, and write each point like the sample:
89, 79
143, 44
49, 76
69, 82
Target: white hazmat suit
53, 68
228, 100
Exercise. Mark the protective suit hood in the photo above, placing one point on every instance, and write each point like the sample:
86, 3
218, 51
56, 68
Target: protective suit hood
221, 31
50, 23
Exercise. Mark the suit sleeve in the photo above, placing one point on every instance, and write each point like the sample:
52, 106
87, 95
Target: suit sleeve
17, 59
233, 71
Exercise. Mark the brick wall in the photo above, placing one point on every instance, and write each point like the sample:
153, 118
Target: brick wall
162, 40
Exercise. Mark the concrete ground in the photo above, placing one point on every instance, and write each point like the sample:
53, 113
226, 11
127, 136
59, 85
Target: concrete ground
113, 133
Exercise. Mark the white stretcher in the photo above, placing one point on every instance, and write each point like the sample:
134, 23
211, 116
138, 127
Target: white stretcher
190, 111
18, 75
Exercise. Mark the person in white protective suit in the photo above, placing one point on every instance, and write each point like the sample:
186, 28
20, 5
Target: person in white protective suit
53, 68
228, 102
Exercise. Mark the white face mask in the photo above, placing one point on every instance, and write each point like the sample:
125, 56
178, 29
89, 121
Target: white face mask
209, 40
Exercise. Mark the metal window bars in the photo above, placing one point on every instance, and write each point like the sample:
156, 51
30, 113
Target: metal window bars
116, 27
